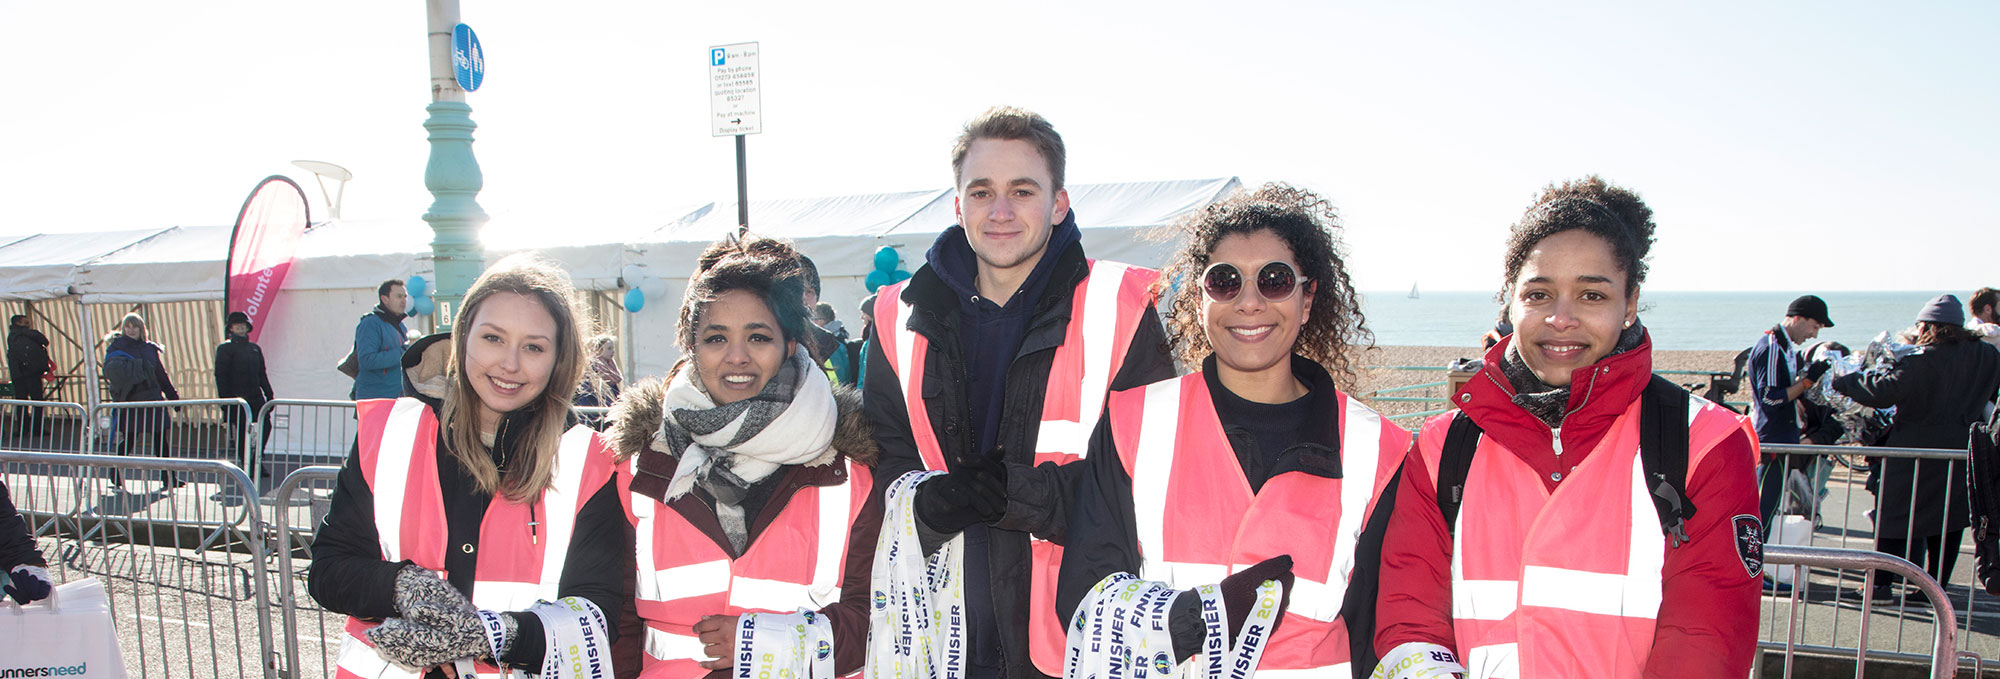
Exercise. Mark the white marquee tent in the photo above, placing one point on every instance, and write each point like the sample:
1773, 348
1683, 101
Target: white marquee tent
339, 264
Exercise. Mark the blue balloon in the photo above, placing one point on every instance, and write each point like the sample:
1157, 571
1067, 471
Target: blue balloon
422, 306
635, 299
418, 286
876, 279
886, 259
899, 276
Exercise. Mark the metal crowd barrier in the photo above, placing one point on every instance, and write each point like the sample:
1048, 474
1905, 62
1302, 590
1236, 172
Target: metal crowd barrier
185, 594
1841, 513
43, 425
1944, 658
296, 433
311, 654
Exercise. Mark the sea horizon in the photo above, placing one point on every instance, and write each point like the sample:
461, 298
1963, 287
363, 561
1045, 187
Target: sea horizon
1678, 320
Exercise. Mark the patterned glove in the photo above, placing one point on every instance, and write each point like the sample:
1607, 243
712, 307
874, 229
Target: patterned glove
28, 584
438, 625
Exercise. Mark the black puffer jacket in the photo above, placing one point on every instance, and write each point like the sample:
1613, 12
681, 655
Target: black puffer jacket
348, 575
1938, 393
27, 353
239, 372
936, 317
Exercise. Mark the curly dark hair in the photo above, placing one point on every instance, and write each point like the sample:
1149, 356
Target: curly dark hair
765, 267
1308, 224
1606, 210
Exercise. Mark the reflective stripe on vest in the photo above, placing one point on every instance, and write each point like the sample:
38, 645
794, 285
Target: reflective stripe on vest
398, 460
683, 575
1106, 310
1199, 521
1577, 571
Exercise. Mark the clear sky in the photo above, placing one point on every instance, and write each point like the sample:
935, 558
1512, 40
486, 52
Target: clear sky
1784, 145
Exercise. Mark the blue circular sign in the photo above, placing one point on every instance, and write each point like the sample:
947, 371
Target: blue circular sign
468, 60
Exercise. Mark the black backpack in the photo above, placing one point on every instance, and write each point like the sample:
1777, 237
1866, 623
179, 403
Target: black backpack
1983, 475
1663, 452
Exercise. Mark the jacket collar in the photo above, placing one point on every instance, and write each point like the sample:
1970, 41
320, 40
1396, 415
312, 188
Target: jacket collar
1599, 393
1318, 450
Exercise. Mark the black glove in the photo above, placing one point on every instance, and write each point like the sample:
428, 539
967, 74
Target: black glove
1239, 595
28, 584
974, 492
1818, 369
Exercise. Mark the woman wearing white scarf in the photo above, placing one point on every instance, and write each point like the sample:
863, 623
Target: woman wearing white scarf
746, 477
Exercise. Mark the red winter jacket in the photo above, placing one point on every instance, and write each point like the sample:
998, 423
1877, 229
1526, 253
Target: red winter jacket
1707, 625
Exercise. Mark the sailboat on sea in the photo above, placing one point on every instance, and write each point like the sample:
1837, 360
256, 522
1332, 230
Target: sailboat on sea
1413, 290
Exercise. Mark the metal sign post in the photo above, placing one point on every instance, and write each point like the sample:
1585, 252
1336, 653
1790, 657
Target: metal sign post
736, 109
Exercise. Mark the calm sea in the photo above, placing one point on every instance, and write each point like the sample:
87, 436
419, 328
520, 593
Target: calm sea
1678, 320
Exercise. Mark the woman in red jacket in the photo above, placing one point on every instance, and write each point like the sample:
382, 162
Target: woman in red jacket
1558, 562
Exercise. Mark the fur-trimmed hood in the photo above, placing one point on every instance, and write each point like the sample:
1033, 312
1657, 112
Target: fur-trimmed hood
637, 416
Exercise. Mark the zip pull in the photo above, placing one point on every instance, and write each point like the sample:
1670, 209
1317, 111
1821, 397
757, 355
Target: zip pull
534, 534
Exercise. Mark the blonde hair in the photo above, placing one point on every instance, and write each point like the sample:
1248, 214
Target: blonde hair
133, 320
523, 479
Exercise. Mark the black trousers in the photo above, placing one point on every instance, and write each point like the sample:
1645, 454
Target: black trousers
28, 419
1936, 554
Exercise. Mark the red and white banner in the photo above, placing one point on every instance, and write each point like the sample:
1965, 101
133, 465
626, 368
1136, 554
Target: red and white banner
267, 234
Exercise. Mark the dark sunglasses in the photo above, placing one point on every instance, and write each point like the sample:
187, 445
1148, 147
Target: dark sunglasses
1276, 281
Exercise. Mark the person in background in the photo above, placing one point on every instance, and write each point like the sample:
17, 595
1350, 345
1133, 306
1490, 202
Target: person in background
1938, 392
824, 317
857, 348
137, 372
1778, 377
1557, 563
27, 362
748, 465
26, 576
603, 382
822, 342
1501, 329
240, 373
476, 519
999, 350
378, 343
1985, 305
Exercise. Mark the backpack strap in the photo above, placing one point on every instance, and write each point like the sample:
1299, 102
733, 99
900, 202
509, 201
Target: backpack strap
1663, 454
1454, 462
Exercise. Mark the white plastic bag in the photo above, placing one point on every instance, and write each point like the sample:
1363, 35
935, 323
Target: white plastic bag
1791, 530
69, 634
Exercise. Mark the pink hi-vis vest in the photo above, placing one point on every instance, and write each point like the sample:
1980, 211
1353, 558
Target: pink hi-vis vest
796, 562
1107, 308
1198, 520
398, 459
1562, 584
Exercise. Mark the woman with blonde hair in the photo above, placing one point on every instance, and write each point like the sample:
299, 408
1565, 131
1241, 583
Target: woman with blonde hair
748, 480
474, 525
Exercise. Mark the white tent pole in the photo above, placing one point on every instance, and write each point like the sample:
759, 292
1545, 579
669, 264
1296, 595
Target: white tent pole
89, 341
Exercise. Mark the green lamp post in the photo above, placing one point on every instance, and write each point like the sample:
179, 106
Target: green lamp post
452, 174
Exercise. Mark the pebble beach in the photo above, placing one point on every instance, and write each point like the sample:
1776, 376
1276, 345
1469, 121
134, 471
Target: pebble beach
1380, 362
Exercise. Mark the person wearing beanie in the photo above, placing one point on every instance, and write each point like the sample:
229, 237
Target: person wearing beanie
240, 373
1938, 392
1778, 377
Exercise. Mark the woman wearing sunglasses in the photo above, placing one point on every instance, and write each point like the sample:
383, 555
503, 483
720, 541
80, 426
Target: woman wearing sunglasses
1257, 458
1602, 522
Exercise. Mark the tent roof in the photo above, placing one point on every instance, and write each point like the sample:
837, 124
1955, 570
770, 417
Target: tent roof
43, 266
146, 271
